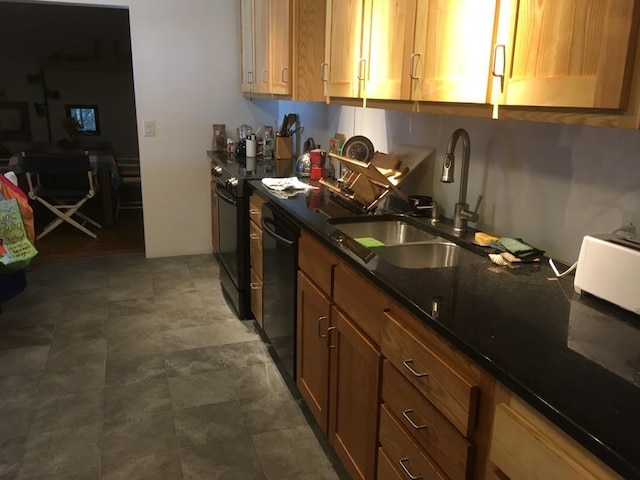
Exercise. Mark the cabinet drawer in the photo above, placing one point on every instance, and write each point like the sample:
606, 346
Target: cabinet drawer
255, 248
316, 261
256, 297
526, 446
403, 453
362, 301
255, 207
386, 470
440, 439
451, 393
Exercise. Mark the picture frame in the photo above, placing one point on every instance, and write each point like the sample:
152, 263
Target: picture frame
14, 121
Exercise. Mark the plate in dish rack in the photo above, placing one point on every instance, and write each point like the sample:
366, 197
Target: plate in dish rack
359, 148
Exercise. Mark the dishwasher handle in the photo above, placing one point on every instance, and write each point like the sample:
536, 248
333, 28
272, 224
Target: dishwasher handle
268, 225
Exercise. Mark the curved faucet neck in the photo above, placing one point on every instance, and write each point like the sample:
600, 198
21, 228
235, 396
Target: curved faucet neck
466, 149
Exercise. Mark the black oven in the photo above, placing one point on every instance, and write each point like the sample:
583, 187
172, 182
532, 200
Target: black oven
232, 233
230, 176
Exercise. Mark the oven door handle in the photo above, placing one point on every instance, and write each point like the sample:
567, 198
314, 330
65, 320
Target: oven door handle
222, 193
265, 226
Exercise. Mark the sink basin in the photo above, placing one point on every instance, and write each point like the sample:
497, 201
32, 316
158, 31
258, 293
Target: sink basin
428, 255
406, 244
390, 231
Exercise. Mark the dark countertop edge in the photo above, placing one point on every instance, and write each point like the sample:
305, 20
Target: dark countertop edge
583, 437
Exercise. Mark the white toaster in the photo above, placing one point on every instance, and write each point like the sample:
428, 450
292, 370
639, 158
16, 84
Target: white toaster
609, 268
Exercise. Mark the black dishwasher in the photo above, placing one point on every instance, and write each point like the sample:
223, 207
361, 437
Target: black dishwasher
280, 264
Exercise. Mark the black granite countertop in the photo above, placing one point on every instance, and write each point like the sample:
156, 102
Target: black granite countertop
574, 358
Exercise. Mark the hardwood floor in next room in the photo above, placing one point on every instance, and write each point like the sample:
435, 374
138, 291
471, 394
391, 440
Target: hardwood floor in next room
125, 237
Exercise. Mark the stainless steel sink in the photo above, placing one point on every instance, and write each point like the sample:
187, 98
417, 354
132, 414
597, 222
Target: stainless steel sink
406, 245
428, 255
388, 231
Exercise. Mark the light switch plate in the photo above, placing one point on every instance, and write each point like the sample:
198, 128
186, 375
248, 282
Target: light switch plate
149, 128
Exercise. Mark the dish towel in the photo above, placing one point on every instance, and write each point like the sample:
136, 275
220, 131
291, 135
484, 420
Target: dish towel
282, 184
518, 250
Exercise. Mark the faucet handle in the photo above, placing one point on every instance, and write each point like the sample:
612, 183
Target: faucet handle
478, 202
472, 215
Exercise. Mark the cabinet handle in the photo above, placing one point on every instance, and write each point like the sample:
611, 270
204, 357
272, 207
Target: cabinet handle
254, 236
362, 65
265, 76
406, 413
323, 71
284, 74
406, 470
407, 365
328, 335
412, 70
253, 211
320, 319
499, 68
254, 286
249, 77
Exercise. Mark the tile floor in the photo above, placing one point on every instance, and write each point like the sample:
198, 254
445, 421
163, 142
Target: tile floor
129, 368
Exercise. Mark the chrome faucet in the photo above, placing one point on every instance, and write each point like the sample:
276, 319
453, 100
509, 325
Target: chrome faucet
462, 214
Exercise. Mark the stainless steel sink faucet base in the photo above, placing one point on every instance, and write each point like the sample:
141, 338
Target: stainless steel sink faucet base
462, 214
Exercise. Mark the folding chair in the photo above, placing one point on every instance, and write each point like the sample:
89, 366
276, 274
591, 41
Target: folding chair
62, 182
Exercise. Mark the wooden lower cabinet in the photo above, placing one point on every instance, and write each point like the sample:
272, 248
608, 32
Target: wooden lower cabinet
526, 446
386, 470
312, 351
255, 285
353, 408
432, 431
403, 453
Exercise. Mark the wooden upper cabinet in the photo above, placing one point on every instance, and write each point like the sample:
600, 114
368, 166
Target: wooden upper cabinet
343, 47
261, 48
451, 55
388, 32
280, 47
565, 53
309, 25
246, 55
266, 46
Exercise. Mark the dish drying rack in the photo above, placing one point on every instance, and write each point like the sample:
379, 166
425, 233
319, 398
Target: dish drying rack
366, 184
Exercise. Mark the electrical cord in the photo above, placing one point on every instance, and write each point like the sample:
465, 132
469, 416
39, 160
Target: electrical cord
568, 270
629, 229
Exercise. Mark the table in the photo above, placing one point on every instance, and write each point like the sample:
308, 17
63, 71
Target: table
108, 177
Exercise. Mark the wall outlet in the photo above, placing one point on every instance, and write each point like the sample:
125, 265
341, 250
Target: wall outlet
149, 128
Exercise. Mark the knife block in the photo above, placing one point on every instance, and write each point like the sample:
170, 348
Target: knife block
283, 147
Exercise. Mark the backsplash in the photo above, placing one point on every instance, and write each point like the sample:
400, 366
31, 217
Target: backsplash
549, 184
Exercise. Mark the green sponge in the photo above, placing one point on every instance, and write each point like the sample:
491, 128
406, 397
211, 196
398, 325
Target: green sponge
369, 242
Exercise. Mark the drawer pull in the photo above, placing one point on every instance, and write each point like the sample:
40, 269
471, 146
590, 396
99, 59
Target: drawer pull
328, 335
254, 236
406, 470
407, 365
320, 319
253, 211
406, 413
254, 286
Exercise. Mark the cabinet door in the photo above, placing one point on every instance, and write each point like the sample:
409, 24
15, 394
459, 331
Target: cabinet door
312, 352
353, 409
279, 48
344, 35
567, 53
261, 46
451, 55
246, 30
388, 33
256, 296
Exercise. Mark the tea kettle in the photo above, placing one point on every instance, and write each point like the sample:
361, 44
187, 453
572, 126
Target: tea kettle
303, 164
